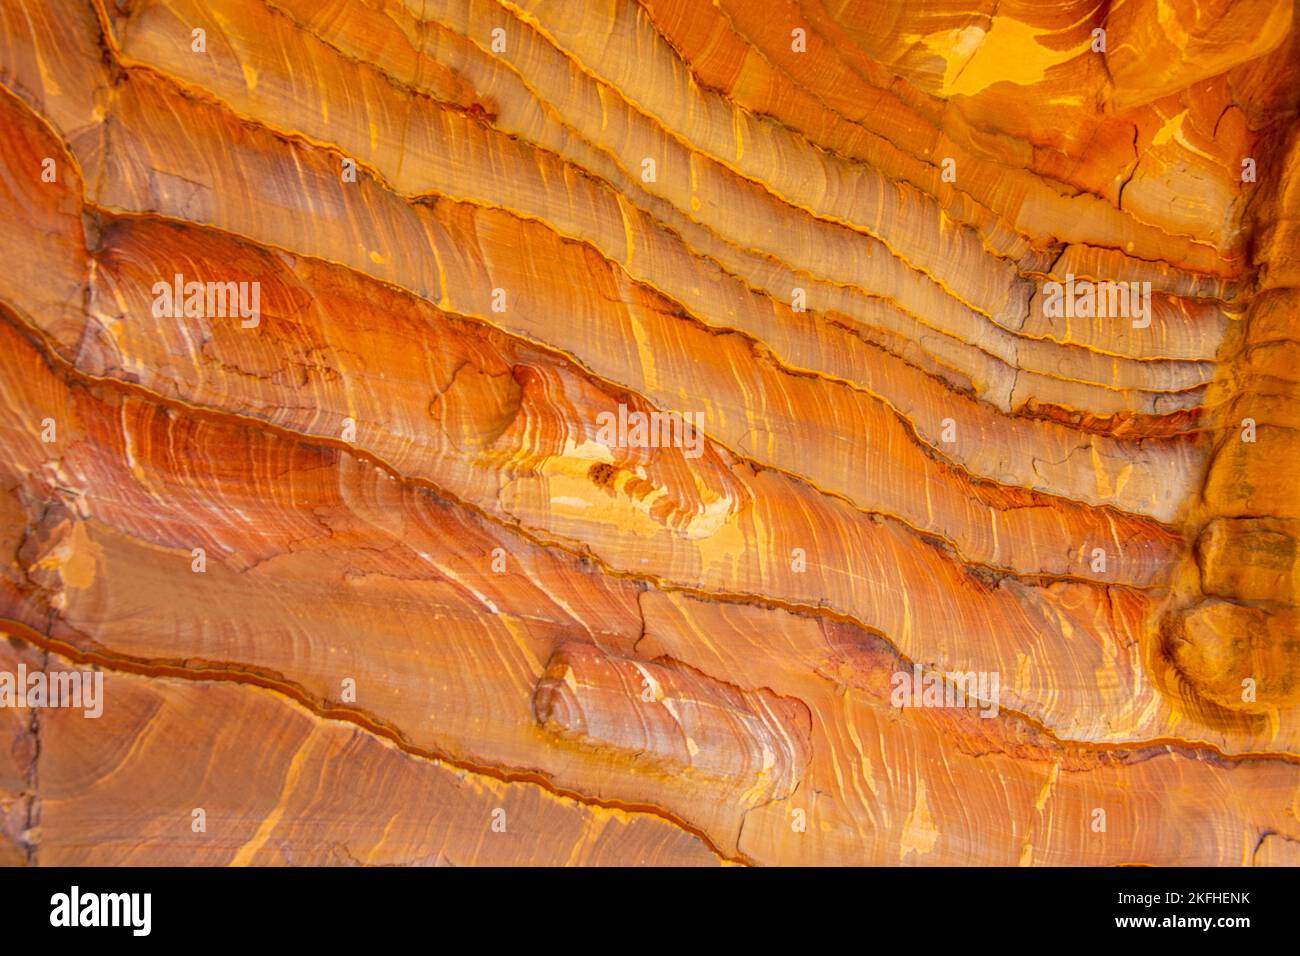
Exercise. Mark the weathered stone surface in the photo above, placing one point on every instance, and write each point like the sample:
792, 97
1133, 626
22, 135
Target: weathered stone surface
657, 436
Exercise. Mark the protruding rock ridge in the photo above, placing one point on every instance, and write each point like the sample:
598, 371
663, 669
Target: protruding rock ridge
756, 741
652, 432
1233, 629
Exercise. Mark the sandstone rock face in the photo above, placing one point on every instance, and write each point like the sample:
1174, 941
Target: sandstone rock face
659, 432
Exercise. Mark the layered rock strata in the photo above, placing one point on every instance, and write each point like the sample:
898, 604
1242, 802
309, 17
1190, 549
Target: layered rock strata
661, 432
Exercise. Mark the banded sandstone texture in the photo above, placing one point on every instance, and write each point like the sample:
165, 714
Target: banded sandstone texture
366, 574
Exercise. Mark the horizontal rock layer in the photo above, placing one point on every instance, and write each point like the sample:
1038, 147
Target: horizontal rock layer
650, 432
